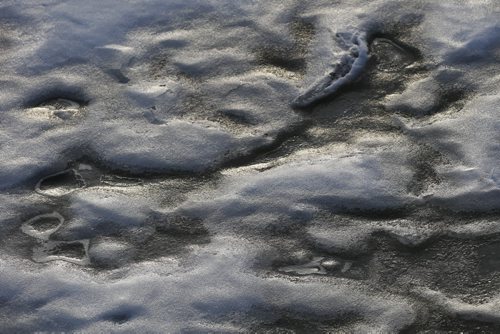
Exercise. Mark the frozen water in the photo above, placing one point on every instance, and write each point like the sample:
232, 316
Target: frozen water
60, 183
70, 251
347, 70
42, 226
240, 166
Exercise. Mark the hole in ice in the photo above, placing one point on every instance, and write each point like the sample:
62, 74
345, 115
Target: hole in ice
70, 251
60, 183
42, 226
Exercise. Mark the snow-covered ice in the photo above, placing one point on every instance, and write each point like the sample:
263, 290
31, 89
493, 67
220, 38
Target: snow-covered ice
233, 166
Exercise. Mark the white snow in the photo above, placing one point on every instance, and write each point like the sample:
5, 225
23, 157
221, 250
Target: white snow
179, 112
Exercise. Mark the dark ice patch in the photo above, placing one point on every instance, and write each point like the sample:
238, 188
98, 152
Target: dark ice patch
123, 313
61, 183
391, 56
118, 75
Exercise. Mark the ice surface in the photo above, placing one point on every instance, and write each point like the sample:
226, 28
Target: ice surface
346, 71
486, 312
42, 226
469, 141
201, 166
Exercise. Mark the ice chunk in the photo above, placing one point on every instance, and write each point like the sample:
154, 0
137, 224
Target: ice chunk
346, 71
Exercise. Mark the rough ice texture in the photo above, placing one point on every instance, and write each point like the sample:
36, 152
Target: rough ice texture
348, 69
155, 177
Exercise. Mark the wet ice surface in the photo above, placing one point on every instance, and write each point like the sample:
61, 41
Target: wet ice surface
231, 166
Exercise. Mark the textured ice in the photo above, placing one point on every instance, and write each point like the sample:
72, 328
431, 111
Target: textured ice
485, 312
469, 141
346, 71
174, 147
159, 172
420, 96
42, 226
60, 183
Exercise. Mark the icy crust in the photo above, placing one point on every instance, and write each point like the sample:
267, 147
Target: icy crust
18, 168
176, 146
222, 297
349, 235
347, 70
303, 238
358, 181
224, 293
478, 46
419, 97
369, 179
162, 95
488, 312
468, 138
98, 206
